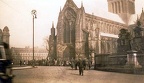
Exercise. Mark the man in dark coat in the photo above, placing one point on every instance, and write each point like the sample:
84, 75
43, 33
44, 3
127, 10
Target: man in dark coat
81, 66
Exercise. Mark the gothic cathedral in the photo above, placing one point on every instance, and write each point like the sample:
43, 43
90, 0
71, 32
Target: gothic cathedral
80, 34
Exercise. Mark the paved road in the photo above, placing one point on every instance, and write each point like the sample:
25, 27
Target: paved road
55, 74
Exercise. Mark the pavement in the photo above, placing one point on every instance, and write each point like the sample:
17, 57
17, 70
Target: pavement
61, 74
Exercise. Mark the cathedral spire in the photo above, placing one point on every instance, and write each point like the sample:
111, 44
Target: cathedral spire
142, 14
137, 18
82, 8
52, 24
81, 4
142, 17
53, 30
92, 15
60, 8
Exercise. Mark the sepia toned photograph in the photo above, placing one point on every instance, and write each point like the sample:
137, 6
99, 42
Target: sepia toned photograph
71, 41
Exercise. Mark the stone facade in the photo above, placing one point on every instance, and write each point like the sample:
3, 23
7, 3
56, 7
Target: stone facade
26, 54
80, 34
52, 44
4, 35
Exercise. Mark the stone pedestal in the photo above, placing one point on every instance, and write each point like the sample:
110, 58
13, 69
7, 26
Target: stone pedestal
132, 61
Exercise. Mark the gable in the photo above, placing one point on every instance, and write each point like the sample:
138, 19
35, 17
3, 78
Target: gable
70, 4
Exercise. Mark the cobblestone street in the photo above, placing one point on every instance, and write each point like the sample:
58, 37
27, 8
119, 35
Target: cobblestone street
55, 74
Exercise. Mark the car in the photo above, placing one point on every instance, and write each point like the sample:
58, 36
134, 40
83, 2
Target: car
6, 75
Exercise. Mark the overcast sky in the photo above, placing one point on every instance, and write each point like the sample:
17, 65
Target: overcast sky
16, 14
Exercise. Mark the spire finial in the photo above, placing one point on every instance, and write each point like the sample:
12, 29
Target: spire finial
138, 21
81, 3
60, 8
92, 15
52, 24
137, 17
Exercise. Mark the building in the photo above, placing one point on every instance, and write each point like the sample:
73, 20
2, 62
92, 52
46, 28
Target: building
26, 54
80, 34
52, 44
5, 35
4, 39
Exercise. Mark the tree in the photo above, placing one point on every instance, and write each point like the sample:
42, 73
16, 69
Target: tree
47, 46
78, 50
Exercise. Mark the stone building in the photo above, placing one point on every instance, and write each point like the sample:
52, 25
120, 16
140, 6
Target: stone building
26, 54
4, 35
80, 34
52, 44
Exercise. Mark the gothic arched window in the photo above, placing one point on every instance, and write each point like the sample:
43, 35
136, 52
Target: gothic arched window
69, 25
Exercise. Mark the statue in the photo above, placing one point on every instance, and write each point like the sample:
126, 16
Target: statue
138, 30
124, 37
124, 41
138, 38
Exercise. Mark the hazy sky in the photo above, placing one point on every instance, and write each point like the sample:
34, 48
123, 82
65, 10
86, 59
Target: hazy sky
16, 14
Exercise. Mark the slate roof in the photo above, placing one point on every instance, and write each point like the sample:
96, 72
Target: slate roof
108, 15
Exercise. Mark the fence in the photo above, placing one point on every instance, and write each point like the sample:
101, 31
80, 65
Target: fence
115, 62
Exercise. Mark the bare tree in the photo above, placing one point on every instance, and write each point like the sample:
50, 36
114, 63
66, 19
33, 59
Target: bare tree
47, 46
78, 53
78, 50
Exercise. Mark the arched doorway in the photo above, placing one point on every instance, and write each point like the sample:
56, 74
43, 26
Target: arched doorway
66, 54
69, 53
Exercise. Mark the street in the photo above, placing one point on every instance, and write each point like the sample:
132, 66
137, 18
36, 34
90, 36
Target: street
61, 74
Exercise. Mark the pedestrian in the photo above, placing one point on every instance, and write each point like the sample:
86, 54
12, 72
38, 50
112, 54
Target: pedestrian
89, 64
20, 62
81, 67
24, 62
84, 64
76, 64
72, 63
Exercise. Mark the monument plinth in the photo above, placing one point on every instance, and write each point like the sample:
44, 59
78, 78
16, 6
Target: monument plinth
132, 61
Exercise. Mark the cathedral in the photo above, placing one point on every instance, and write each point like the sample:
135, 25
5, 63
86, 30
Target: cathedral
81, 35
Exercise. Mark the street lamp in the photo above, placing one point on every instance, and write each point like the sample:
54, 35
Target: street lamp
33, 12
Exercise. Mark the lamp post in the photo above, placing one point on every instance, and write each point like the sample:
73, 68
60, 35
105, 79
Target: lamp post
33, 12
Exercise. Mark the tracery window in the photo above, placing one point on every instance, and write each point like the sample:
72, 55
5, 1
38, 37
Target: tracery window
69, 25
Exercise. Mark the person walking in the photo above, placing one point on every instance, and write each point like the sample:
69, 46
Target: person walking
89, 64
81, 66
84, 64
20, 62
76, 64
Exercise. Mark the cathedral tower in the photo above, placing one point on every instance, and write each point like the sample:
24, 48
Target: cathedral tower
53, 31
124, 8
52, 43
